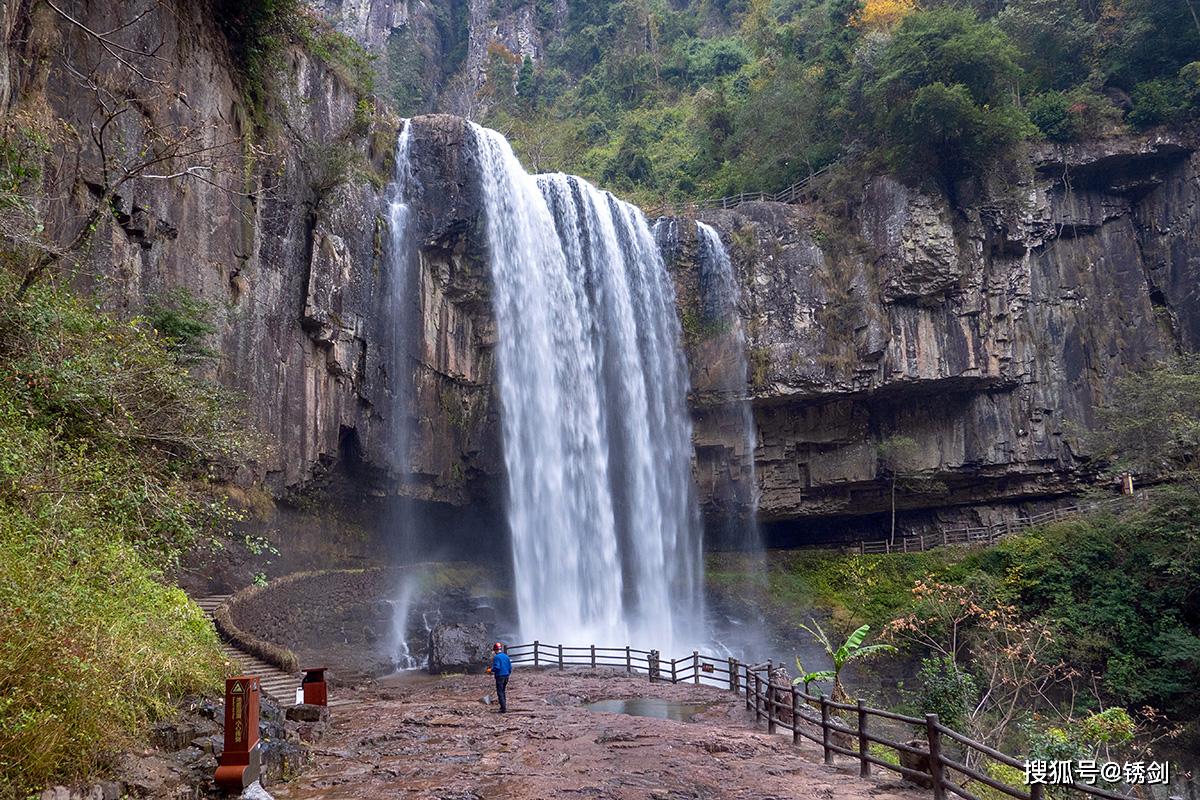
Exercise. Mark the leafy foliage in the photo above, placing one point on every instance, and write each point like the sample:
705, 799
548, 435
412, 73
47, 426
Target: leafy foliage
259, 32
663, 102
107, 453
183, 321
1122, 595
852, 649
946, 689
1151, 423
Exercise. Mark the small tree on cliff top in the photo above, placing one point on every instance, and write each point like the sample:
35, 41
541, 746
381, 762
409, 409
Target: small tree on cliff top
899, 462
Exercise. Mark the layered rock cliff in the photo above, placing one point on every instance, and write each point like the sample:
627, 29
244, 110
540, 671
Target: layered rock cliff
278, 226
986, 333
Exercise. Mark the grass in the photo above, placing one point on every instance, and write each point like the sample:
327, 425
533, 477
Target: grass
854, 589
107, 451
92, 647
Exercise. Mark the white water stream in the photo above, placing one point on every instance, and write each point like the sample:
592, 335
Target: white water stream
402, 300
720, 296
597, 436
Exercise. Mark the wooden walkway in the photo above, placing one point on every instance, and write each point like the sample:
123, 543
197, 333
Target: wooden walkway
946, 761
795, 193
280, 686
990, 534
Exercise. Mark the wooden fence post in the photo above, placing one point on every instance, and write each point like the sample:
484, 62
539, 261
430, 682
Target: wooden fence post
795, 715
862, 548
757, 697
772, 709
864, 769
747, 687
560, 660
825, 731
593, 656
696, 667
628, 659
674, 679
535, 652
733, 675
935, 756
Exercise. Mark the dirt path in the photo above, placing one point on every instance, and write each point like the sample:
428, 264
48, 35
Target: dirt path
436, 739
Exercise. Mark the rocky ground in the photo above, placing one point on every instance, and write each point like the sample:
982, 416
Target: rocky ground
438, 738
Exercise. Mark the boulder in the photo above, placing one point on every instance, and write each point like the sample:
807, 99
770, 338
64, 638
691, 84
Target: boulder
917, 761
306, 712
458, 648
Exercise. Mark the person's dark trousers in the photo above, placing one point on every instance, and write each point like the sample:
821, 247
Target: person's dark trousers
501, 687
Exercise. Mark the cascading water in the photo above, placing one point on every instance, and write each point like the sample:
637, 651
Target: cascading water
720, 295
403, 311
597, 436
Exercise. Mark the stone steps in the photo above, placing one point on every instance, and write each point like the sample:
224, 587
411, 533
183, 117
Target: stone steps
276, 684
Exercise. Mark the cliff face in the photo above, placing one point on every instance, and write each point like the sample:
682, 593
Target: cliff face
987, 334
280, 230
441, 56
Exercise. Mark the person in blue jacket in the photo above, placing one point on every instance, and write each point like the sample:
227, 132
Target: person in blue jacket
501, 668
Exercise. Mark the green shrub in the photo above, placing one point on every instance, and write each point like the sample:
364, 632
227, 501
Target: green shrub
183, 321
1073, 115
1158, 102
107, 452
1051, 113
943, 94
1122, 595
258, 32
946, 690
92, 647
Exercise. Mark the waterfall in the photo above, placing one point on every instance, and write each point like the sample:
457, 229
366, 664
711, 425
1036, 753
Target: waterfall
719, 295
402, 310
597, 436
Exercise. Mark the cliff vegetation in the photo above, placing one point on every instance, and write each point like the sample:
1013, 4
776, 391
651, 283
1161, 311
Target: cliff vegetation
712, 98
1111, 603
109, 451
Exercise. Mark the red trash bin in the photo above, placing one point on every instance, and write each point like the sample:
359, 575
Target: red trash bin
315, 692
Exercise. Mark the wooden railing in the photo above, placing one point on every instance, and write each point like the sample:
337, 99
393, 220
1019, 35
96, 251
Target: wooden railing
792, 194
784, 706
990, 534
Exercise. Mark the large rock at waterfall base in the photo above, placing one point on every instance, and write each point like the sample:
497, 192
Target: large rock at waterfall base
458, 648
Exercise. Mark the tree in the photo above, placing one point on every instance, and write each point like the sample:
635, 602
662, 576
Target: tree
1140, 40
852, 649
1012, 659
883, 15
899, 460
128, 101
1053, 38
527, 84
943, 99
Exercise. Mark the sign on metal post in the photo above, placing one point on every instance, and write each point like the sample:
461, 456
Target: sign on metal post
241, 758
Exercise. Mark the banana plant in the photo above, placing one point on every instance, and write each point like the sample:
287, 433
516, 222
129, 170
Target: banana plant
851, 650
811, 677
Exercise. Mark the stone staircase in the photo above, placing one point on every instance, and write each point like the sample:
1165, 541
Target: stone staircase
276, 684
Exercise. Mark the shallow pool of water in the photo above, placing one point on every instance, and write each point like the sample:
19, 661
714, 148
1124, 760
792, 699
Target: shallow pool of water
650, 707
